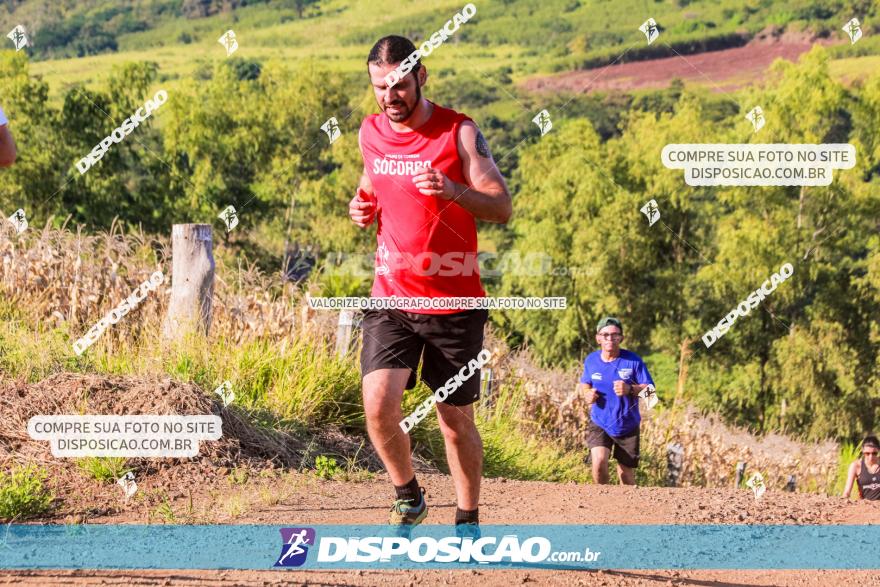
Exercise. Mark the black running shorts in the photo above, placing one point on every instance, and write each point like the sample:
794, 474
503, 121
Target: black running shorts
394, 339
623, 448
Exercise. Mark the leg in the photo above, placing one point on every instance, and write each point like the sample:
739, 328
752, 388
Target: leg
389, 355
464, 452
626, 453
600, 451
383, 392
451, 342
627, 474
599, 455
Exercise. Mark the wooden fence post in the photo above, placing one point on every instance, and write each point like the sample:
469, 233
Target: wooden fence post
486, 382
740, 473
343, 332
192, 281
674, 463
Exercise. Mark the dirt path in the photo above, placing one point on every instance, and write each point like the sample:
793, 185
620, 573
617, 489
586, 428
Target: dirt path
720, 71
311, 501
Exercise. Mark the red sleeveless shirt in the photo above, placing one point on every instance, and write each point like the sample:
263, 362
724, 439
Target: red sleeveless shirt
426, 246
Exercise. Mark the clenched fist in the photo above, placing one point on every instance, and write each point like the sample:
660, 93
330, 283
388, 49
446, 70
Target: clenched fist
590, 393
362, 209
621, 388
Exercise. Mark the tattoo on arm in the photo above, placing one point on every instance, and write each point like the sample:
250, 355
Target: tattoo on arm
481, 145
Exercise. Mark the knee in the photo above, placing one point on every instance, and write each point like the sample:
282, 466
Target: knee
379, 408
600, 460
459, 431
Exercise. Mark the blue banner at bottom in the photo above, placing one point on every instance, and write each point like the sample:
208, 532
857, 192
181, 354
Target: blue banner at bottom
439, 547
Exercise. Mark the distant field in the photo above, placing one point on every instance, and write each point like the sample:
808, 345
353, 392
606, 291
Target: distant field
532, 37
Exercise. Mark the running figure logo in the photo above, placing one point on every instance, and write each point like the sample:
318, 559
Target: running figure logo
649, 394
756, 484
19, 221
127, 482
854, 30
543, 122
229, 218
331, 127
649, 27
651, 211
228, 41
295, 548
18, 36
756, 117
225, 392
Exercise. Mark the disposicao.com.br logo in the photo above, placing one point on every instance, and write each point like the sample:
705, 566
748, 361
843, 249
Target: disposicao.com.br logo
402, 551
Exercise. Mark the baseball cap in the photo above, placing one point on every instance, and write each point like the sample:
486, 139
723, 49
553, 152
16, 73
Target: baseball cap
609, 321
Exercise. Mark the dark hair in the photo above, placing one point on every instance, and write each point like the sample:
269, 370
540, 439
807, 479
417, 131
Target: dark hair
391, 50
872, 441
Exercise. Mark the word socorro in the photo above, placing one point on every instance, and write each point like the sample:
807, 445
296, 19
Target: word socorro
394, 167
437, 39
116, 314
128, 125
747, 305
453, 383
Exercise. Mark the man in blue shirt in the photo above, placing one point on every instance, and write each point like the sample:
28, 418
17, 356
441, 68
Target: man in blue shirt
611, 382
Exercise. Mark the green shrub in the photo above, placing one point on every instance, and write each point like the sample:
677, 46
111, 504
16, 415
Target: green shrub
23, 493
326, 467
104, 469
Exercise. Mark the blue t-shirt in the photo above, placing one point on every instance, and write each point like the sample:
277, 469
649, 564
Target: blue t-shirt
618, 416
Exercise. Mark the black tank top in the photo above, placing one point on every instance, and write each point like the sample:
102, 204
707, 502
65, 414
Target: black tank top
869, 483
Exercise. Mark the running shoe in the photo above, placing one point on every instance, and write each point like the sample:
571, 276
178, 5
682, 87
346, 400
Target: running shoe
403, 513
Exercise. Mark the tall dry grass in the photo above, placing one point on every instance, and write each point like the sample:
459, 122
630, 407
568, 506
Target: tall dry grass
277, 353
711, 448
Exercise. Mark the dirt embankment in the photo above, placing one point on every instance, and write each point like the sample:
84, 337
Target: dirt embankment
719, 71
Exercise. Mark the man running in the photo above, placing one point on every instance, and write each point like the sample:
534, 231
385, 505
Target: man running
428, 175
611, 382
866, 471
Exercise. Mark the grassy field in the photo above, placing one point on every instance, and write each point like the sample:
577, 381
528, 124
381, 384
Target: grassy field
529, 37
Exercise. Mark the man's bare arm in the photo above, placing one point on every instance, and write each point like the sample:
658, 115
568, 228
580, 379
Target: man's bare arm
363, 211
485, 195
365, 183
8, 151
